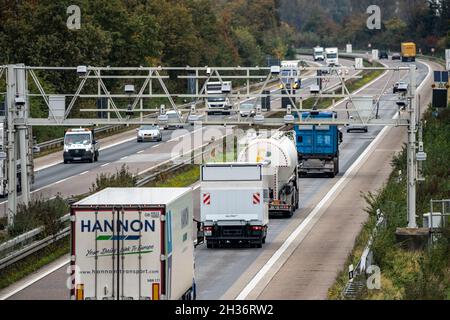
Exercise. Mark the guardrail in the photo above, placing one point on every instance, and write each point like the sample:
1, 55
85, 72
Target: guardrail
357, 276
28, 244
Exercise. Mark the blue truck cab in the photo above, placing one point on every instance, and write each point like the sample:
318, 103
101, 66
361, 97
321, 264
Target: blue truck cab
318, 146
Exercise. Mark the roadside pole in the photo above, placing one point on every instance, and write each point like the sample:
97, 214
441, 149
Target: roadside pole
412, 151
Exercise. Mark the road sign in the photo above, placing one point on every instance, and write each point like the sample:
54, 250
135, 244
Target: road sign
359, 63
375, 54
349, 48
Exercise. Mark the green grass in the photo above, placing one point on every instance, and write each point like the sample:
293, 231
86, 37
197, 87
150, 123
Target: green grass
32, 263
184, 178
423, 274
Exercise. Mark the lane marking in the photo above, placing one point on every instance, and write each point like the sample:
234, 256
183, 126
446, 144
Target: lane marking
104, 165
34, 280
336, 187
83, 173
123, 158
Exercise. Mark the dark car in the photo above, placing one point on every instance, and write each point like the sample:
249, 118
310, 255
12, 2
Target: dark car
396, 56
383, 55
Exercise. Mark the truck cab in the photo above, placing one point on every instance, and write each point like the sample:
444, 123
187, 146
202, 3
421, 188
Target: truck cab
290, 74
80, 145
218, 104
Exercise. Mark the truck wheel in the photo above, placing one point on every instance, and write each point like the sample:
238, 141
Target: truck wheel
259, 244
66, 161
209, 245
96, 157
264, 240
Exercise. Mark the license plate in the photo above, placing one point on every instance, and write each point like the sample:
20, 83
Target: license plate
208, 233
77, 158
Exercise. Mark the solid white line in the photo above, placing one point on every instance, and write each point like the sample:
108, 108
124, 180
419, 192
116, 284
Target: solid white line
276, 256
142, 151
83, 173
34, 280
62, 180
123, 158
104, 165
259, 276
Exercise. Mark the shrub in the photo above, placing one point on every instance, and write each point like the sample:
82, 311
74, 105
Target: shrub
122, 178
39, 212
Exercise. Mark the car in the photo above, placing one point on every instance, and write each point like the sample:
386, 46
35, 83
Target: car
356, 127
148, 133
173, 117
400, 87
247, 110
396, 56
383, 55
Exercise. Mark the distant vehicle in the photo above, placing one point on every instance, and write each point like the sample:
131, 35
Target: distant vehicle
409, 51
383, 55
356, 127
218, 104
290, 74
148, 133
233, 205
400, 87
80, 145
172, 117
318, 146
396, 56
331, 57
133, 244
280, 153
247, 110
319, 54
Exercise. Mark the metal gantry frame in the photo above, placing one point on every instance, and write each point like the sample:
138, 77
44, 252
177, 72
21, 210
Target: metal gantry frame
18, 117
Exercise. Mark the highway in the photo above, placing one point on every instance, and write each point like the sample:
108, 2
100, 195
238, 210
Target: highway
53, 177
231, 273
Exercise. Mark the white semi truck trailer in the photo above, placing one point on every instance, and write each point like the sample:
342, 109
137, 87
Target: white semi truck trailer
280, 156
133, 244
233, 204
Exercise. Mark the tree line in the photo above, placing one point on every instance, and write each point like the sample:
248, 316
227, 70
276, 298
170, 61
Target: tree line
337, 22
142, 32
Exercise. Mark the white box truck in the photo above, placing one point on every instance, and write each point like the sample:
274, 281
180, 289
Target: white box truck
332, 57
279, 153
319, 54
233, 204
133, 244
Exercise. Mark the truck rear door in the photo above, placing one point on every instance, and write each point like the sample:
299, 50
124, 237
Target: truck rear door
118, 254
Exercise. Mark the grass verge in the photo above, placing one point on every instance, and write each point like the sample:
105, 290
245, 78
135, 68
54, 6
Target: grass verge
30, 264
409, 275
